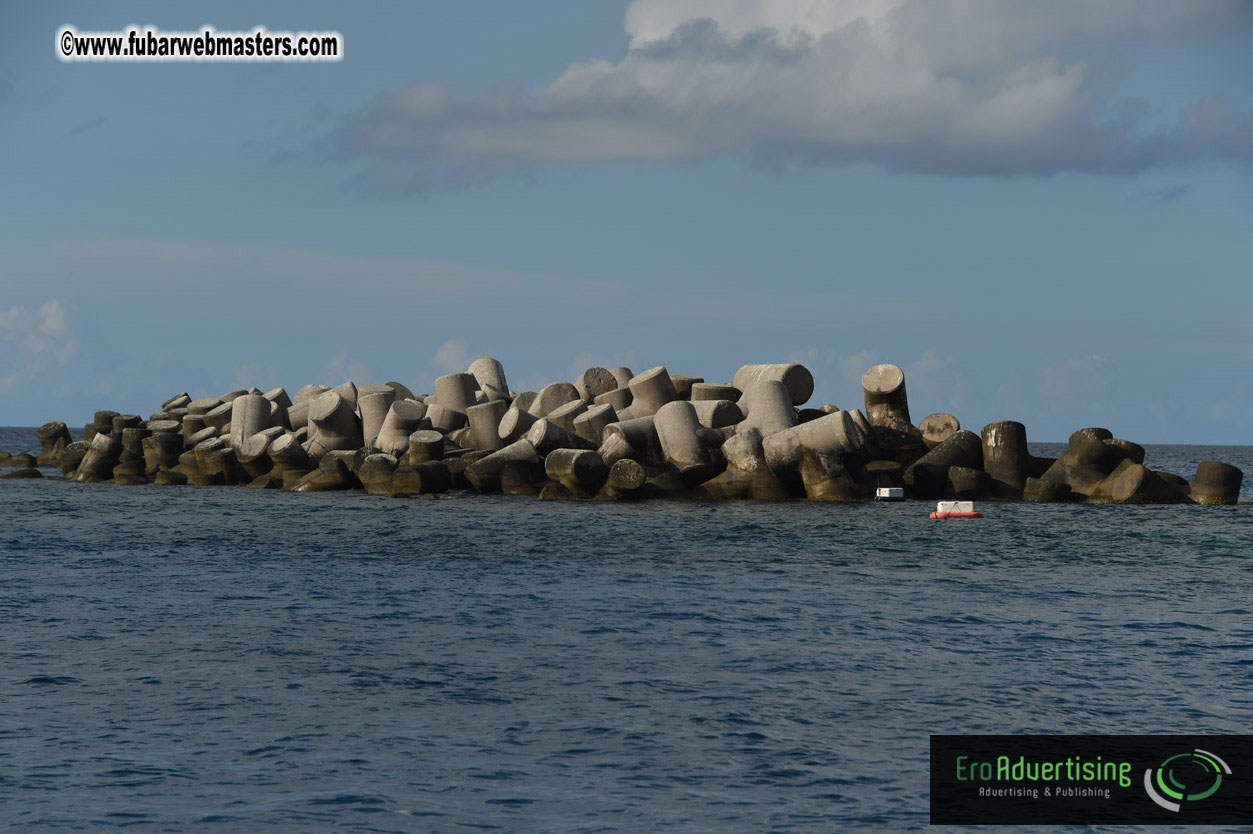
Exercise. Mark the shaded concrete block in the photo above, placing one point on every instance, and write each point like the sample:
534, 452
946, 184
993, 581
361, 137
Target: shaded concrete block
1216, 483
938, 427
595, 381
1005, 458
797, 379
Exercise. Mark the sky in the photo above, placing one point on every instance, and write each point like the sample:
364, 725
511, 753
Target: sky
1041, 211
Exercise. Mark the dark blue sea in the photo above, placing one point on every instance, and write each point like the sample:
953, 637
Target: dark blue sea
221, 659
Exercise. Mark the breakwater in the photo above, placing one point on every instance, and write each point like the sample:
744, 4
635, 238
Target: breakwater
611, 435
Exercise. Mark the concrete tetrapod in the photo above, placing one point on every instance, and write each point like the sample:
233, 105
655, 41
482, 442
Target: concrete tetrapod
796, 378
678, 433
515, 424
403, 419
486, 474
375, 473
626, 479
551, 397
490, 376
650, 390
938, 427
98, 462
337, 425
1006, 458
590, 425
835, 434
374, 406
928, 476
594, 382
1216, 483
545, 436
565, 415
161, 451
455, 391
424, 445
423, 478
53, 437
767, 406
635, 439
887, 411
485, 425
713, 391
250, 414
581, 471
746, 475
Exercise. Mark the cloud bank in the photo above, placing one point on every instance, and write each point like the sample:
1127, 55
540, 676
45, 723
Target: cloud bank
993, 87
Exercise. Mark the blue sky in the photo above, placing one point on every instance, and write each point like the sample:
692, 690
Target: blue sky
1040, 210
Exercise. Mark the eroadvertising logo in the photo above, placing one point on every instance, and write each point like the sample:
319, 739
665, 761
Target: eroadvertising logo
1088, 779
1192, 776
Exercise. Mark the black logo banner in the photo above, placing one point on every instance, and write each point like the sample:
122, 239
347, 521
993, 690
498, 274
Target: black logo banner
1091, 780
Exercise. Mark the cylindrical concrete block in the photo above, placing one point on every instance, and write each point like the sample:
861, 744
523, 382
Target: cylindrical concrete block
565, 415
485, 424
886, 400
374, 406
796, 378
938, 427
423, 478
455, 391
594, 382
1132, 483
1045, 492
580, 470
717, 414
545, 436
683, 385
515, 424
250, 414
928, 476
635, 439
446, 419
53, 437
966, 484
590, 425
253, 455
651, 390
551, 397
177, 401
677, 428
219, 417
1005, 458
826, 478
746, 475
1216, 483
338, 427
767, 406
485, 474
714, 391
288, 453
425, 445
834, 434
623, 374
69, 458
97, 464
489, 374
618, 399
403, 419
375, 473
626, 477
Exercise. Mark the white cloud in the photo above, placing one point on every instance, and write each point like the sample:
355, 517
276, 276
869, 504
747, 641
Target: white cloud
935, 383
343, 368
452, 357
1079, 378
949, 86
41, 337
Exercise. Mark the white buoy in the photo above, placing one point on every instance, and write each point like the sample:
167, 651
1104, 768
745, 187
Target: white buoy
956, 509
889, 494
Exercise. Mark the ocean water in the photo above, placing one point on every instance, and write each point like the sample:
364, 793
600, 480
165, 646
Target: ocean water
221, 659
